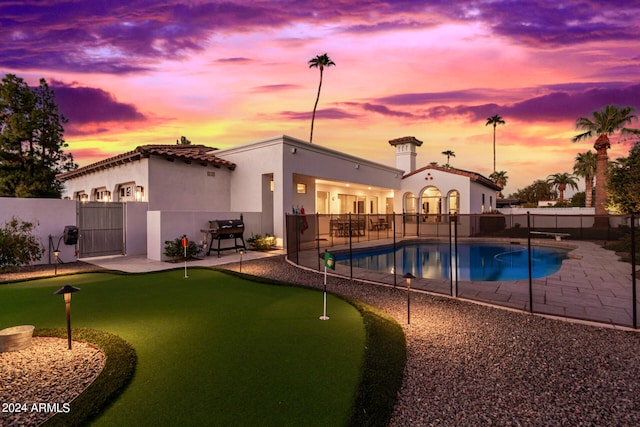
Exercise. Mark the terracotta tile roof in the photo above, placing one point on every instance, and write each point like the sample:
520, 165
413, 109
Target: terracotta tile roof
474, 176
404, 140
188, 153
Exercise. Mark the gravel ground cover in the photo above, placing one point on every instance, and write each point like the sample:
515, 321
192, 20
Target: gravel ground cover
475, 365
42, 379
46, 270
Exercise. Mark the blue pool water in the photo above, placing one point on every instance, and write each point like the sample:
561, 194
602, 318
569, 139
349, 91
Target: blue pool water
476, 261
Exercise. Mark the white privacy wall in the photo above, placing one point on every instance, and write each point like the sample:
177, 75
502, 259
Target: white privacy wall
50, 217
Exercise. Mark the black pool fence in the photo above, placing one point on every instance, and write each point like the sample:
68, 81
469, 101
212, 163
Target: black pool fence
309, 236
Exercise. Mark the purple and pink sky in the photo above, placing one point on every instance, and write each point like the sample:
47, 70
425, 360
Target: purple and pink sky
221, 73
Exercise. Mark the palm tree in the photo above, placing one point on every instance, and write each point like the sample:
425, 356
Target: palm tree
604, 123
320, 62
501, 179
585, 167
495, 121
561, 180
449, 153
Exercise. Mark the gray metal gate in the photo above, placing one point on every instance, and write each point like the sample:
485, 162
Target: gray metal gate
101, 229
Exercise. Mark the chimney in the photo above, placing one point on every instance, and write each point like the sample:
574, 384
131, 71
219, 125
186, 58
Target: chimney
406, 152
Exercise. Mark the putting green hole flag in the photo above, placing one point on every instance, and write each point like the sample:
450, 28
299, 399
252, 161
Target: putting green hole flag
329, 260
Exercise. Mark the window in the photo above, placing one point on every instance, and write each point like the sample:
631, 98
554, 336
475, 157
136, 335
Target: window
127, 192
409, 203
454, 202
322, 202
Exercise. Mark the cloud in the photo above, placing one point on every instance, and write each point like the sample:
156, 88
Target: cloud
119, 36
388, 26
275, 88
129, 36
91, 106
558, 102
235, 60
432, 97
385, 111
566, 22
326, 114
560, 106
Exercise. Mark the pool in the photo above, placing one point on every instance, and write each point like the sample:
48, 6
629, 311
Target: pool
476, 261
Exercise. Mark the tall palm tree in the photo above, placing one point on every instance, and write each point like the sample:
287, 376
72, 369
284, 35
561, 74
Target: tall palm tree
585, 167
500, 178
449, 153
561, 180
495, 121
320, 62
604, 123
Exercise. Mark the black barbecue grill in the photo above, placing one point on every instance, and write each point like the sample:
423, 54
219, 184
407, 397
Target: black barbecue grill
225, 229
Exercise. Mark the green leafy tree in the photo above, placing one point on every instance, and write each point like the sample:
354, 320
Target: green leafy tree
602, 124
578, 200
320, 62
448, 153
31, 140
561, 180
585, 167
495, 121
533, 193
624, 183
18, 245
183, 141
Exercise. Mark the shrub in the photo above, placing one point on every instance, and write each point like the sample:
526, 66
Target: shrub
18, 246
174, 249
261, 243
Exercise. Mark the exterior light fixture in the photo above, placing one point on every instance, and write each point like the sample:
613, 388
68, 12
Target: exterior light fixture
66, 291
241, 253
56, 255
409, 276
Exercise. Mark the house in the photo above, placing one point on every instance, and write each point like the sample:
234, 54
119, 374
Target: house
436, 190
182, 187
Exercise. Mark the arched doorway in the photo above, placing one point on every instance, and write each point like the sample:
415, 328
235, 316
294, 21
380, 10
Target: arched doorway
431, 204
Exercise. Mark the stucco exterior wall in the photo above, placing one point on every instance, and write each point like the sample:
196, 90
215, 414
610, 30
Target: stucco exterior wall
176, 185
136, 228
477, 191
50, 217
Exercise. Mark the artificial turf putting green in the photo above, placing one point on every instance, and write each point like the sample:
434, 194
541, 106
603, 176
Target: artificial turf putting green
213, 349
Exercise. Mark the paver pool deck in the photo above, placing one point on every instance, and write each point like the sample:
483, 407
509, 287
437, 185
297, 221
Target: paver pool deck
592, 285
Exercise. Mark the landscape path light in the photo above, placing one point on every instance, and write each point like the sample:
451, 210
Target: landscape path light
409, 276
56, 255
241, 253
66, 292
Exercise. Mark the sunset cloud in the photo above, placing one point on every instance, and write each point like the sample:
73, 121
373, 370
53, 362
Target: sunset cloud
132, 72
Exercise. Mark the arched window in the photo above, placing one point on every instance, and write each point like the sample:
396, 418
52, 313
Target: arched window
454, 201
409, 203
